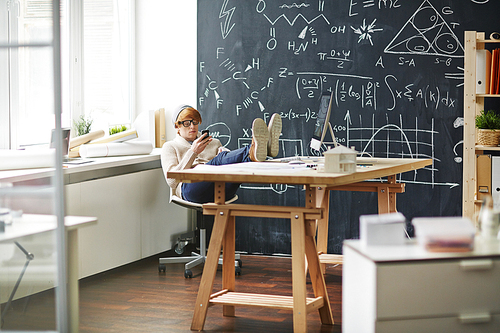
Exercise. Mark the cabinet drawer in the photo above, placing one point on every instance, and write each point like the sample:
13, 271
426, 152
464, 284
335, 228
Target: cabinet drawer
438, 325
443, 288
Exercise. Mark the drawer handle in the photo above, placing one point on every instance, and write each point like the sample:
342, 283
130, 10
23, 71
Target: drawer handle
476, 318
475, 265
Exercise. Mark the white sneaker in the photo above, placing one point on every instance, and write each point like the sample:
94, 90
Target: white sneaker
274, 128
260, 137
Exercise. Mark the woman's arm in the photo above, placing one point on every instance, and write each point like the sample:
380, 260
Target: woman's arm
176, 157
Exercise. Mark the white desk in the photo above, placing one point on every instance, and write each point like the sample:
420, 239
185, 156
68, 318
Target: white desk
406, 289
31, 224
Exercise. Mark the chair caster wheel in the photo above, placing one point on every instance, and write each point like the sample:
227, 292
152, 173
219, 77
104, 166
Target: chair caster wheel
188, 274
240, 263
237, 271
162, 268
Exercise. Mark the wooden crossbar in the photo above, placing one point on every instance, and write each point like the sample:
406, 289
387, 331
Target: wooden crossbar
263, 300
332, 259
264, 211
369, 187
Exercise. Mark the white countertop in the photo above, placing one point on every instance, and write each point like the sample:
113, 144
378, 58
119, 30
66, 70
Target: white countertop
98, 163
413, 251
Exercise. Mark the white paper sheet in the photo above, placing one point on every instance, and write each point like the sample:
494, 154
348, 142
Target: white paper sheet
26, 159
116, 149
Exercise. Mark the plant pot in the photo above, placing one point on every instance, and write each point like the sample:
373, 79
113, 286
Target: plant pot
488, 137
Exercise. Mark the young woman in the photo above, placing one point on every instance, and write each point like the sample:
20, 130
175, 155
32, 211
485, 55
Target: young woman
189, 148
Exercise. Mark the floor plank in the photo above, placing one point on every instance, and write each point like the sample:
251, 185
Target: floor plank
137, 298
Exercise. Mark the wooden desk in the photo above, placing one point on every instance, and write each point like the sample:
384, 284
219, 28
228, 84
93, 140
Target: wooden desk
33, 224
303, 229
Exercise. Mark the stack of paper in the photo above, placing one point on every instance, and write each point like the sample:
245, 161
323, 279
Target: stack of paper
444, 234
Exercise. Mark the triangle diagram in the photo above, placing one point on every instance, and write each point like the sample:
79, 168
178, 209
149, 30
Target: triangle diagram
426, 33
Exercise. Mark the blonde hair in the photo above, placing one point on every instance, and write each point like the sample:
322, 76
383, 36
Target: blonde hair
188, 114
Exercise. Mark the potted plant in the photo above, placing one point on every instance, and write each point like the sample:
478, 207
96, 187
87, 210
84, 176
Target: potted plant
488, 125
83, 125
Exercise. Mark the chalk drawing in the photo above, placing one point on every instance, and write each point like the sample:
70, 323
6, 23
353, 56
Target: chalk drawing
397, 141
426, 33
226, 26
261, 6
365, 31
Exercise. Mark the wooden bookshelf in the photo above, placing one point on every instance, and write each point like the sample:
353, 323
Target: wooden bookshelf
473, 104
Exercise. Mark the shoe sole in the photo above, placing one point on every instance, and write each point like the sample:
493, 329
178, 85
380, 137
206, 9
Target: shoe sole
260, 135
273, 145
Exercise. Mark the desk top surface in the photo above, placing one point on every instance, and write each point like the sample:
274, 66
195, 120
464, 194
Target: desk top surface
284, 173
412, 251
31, 224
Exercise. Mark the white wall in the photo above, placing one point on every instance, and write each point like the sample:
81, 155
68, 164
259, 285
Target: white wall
165, 55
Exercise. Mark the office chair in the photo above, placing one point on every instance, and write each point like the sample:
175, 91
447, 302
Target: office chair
196, 258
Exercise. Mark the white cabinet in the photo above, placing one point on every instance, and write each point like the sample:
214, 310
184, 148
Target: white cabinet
135, 218
405, 289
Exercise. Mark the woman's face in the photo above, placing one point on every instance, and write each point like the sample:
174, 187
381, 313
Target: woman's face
189, 133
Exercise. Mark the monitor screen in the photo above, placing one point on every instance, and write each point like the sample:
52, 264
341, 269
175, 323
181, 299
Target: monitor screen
322, 120
322, 113
66, 132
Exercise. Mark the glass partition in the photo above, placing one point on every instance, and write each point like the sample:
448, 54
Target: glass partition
33, 281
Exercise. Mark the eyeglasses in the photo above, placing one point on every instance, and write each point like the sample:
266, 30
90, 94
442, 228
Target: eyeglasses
187, 123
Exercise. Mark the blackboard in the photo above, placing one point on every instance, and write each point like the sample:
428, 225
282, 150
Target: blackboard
395, 68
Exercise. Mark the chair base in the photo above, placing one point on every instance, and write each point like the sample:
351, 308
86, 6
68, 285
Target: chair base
196, 259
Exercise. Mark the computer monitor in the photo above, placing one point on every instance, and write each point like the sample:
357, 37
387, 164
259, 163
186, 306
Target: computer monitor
323, 122
66, 133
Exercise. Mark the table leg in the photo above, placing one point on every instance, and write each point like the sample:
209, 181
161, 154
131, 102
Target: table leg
228, 272
298, 272
323, 201
73, 296
210, 269
386, 199
318, 280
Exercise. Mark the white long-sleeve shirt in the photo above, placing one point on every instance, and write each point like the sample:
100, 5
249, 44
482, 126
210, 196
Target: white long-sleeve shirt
177, 155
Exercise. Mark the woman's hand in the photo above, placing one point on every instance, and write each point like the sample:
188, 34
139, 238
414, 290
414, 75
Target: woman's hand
200, 144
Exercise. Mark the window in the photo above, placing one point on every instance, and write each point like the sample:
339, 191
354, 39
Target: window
27, 74
108, 62
97, 82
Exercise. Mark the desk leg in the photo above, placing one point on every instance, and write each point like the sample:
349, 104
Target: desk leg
73, 298
298, 272
386, 199
228, 273
318, 280
210, 269
323, 201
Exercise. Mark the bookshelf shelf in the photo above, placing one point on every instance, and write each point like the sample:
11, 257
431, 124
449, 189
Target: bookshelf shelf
487, 95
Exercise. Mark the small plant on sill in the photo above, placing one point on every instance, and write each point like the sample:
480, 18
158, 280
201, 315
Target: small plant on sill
82, 125
117, 129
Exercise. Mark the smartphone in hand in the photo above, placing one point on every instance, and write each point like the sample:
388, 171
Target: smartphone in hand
203, 134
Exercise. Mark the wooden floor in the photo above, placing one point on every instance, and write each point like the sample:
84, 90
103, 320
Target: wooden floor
137, 298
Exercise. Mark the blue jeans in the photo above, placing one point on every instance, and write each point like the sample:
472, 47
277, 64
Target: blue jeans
203, 192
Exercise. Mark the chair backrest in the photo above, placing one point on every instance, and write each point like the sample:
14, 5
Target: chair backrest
193, 205
188, 204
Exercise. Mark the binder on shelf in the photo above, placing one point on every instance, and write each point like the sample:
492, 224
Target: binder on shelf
495, 181
483, 71
497, 81
494, 72
483, 176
